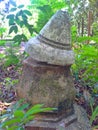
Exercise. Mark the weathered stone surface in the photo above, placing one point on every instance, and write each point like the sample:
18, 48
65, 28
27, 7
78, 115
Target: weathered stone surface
47, 84
52, 45
46, 78
45, 53
76, 121
57, 30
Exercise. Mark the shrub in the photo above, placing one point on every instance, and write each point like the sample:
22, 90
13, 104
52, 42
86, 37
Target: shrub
17, 117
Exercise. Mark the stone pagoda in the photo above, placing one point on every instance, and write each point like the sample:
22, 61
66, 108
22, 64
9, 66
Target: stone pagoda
46, 77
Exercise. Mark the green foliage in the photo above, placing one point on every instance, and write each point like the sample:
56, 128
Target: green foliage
10, 54
94, 115
2, 31
19, 115
11, 57
18, 20
95, 28
45, 9
86, 63
9, 83
74, 33
2, 42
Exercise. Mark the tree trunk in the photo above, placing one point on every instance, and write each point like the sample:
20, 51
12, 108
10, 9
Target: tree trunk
78, 28
82, 31
90, 17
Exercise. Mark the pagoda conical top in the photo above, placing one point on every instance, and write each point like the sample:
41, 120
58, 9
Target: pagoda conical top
56, 32
53, 44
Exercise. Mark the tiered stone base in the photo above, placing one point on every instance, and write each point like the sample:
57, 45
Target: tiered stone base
76, 121
52, 86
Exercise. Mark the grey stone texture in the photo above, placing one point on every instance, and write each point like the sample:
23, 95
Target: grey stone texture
45, 84
76, 121
53, 44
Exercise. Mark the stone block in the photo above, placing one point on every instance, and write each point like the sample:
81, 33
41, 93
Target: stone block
46, 84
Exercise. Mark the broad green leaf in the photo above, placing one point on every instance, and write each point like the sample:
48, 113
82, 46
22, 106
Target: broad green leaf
24, 17
21, 23
17, 38
35, 109
27, 119
17, 20
20, 6
94, 115
13, 9
20, 128
11, 22
19, 13
18, 113
31, 30
2, 42
11, 121
24, 106
10, 16
13, 127
12, 59
24, 38
13, 28
27, 12
20, 37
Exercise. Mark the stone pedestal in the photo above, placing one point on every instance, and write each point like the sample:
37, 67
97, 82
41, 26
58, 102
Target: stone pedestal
76, 121
50, 85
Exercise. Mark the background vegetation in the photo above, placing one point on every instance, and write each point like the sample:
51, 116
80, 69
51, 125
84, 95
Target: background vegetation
19, 22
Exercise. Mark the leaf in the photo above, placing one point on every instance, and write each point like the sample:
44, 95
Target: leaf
24, 106
21, 23
13, 128
17, 104
24, 17
27, 12
24, 38
11, 121
2, 42
10, 16
20, 128
27, 119
13, 28
11, 19
13, 9
2, 55
18, 113
35, 109
20, 6
11, 59
11, 22
30, 28
94, 115
19, 13
18, 38
17, 20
